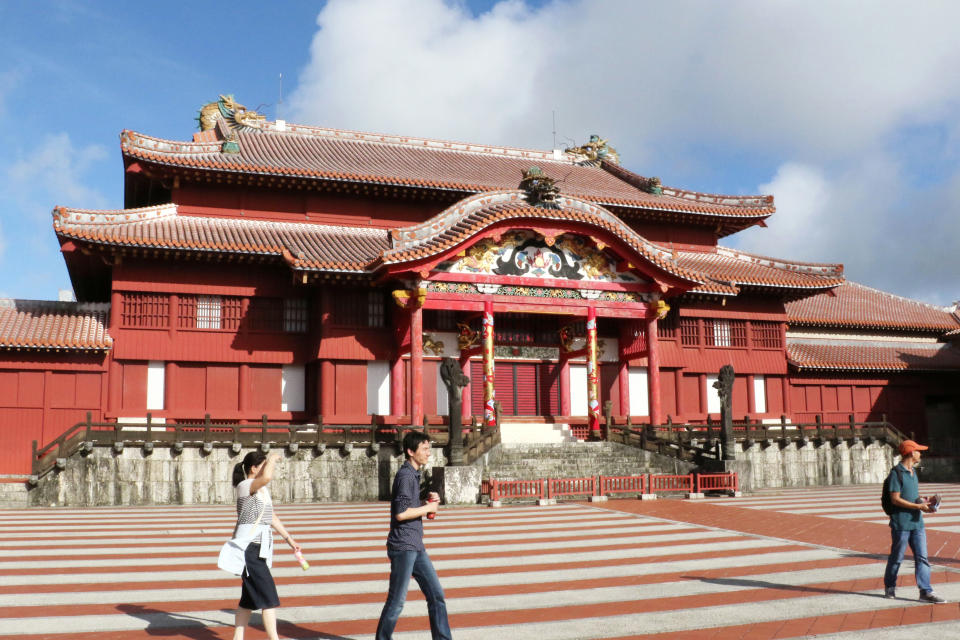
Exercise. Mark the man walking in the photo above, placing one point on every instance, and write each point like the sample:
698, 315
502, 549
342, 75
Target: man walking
906, 524
408, 557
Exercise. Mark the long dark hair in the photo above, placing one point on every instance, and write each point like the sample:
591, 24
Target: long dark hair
242, 469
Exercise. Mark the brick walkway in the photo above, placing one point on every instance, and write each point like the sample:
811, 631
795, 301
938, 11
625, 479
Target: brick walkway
615, 570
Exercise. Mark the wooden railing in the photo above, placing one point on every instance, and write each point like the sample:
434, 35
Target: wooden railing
698, 441
83, 436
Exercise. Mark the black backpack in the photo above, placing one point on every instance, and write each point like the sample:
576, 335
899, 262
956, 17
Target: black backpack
885, 500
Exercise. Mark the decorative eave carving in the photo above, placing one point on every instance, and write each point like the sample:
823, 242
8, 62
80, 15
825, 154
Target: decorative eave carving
594, 151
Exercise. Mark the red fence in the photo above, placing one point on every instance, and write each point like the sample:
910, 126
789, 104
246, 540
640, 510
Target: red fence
557, 487
610, 485
717, 482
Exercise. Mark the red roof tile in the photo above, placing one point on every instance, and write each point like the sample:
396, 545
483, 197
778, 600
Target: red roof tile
872, 356
303, 245
741, 269
854, 305
331, 154
42, 324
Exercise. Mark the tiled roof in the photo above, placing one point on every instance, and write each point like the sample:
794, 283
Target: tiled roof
741, 269
319, 247
872, 356
42, 324
349, 156
302, 245
854, 305
471, 215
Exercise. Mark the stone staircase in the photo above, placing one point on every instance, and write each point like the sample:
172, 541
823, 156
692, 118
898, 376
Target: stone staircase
528, 461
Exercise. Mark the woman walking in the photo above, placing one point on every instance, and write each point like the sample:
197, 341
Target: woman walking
255, 517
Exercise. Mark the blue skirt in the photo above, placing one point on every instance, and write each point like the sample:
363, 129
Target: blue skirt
259, 590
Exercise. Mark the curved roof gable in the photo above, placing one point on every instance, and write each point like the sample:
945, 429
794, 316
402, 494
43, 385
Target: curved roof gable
43, 324
330, 154
472, 215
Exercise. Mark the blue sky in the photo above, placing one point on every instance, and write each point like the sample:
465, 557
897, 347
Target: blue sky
846, 111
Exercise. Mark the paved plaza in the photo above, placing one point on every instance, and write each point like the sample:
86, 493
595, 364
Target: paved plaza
794, 563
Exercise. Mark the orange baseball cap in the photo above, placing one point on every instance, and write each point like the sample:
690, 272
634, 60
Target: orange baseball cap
909, 446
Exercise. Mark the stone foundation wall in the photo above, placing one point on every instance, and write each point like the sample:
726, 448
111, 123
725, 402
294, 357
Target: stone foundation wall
131, 477
808, 463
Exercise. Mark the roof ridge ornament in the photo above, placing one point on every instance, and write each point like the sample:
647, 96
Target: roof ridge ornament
594, 152
542, 190
236, 115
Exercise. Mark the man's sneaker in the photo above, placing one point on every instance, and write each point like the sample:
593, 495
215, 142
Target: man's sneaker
890, 592
930, 596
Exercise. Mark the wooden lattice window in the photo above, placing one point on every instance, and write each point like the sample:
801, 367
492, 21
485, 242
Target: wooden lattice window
359, 309
689, 332
209, 312
766, 335
295, 315
725, 333
738, 333
148, 310
265, 314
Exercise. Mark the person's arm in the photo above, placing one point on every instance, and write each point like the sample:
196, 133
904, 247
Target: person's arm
904, 504
266, 473
408, 495
284, 533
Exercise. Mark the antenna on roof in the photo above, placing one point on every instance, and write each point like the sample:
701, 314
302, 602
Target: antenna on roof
280, 98
554, 112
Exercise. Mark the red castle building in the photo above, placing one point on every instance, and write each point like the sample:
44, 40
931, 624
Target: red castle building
264, 268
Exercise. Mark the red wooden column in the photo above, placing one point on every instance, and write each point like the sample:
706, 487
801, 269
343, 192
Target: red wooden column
623, 382
489, 395
466, 405
416, 366
653, 371
328, 389
564, 386
397, 387
593, 373
116, 371
751, 395
169, 378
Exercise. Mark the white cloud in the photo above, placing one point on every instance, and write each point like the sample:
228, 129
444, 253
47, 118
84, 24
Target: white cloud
54, 172
789, 73
817, 94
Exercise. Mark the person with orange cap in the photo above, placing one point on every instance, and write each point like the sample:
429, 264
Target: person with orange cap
906, 524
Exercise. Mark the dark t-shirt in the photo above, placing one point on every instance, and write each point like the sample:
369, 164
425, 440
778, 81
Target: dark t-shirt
406, 535
909, 488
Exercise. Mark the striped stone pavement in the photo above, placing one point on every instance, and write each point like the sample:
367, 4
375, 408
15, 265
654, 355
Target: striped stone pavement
626, 569
861, 502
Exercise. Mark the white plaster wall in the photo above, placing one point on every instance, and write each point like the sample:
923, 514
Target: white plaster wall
378, 387
639, 391
578, 389
292, 387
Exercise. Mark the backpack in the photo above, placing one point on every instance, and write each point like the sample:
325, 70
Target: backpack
885, 500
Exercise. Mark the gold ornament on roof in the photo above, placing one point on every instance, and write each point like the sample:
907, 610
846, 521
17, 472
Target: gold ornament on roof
594, 151
236, 115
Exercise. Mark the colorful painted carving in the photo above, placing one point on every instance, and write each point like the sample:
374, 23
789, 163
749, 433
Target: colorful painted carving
489, 394
433, 346
467, 338
527, 254
593, 396
596, 150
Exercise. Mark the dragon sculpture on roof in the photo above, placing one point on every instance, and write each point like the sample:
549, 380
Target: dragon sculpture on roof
594, 151
236, 115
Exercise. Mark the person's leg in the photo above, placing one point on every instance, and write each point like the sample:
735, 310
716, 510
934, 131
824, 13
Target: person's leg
401, 566
898, 547
270, 623
429, 583
240, 621
918, 545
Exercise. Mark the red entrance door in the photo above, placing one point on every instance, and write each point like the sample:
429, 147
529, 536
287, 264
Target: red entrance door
522, 388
